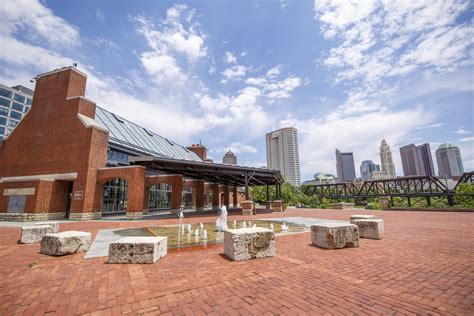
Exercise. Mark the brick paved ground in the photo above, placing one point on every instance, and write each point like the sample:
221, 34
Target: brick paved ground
424, 265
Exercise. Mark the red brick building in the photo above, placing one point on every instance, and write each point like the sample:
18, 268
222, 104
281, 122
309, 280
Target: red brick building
69, 158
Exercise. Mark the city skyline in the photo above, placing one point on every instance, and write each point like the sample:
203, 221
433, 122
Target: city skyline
226, 73
283, 153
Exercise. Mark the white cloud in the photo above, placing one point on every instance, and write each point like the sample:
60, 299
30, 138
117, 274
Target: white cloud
230, 58
162, 67
177, 35
430, 126
236, 148
37, 23
275, 88
234, 73
462, 131
467, 139
100, 15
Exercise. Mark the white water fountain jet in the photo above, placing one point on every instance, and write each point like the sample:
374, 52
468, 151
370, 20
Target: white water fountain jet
272, 227
235, 224
188, 228
201, 226
221, 222
204, 234
284, 228
244, 224
196, 233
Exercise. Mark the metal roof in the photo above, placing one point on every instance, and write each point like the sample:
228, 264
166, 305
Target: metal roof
139, 140
212, 172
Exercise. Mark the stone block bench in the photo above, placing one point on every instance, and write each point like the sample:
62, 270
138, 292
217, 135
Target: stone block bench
34, 233
54, 225
138, 250
65, 243
356, 217
342, 206
370, 228
335, 235
249, 243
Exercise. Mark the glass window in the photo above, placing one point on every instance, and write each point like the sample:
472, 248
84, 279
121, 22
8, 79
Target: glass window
12, 123
15, 115
2, 130
27, 108
29, 101
115, 196
160, 196
5, 93
187, 195
3, 111
17, 106
3, 120
5, 102
19, 98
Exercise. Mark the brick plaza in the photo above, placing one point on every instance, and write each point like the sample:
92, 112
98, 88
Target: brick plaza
423, 265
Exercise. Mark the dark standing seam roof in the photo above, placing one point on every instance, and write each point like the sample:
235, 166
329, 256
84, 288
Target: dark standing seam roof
126, 134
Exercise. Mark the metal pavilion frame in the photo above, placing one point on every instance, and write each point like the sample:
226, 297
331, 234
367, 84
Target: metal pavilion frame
232, 175
404, 187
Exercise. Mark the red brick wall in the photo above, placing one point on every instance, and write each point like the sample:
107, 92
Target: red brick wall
135, 175
51, 139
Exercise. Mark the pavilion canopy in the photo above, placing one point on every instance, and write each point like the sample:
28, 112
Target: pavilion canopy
212, 172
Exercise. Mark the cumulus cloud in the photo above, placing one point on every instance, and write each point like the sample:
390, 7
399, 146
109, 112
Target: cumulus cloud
273, 87
236, 148
234, 73
37, 23
176, 35
230, 58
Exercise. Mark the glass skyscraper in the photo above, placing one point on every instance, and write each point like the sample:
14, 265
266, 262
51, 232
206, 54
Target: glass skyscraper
15, 102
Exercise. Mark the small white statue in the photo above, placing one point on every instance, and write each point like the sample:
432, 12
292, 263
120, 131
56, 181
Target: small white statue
188, 228
204, 234
196, 233
221, 222
284, 228
181, 215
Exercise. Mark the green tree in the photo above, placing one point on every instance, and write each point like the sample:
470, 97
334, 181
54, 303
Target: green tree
464, 195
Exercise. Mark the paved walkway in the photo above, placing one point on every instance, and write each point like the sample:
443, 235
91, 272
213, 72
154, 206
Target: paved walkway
424, 265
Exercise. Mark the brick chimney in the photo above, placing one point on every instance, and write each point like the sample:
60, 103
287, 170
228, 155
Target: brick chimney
199, 150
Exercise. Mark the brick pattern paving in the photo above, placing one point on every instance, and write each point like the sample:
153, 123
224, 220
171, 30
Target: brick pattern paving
424, 265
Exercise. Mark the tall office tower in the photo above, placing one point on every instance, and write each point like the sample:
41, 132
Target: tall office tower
283, 155
416, 160
230, 158
386, 160
367, 168
15, 102
449, 161
425, 161
345, 166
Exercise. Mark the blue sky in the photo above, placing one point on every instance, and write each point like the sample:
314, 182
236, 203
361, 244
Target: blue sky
345, 73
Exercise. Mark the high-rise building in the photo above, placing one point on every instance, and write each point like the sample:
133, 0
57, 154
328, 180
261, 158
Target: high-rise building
15, 102
386, 160
345, 166
367, 168
448, 157
230, 158
416, 160
283, 155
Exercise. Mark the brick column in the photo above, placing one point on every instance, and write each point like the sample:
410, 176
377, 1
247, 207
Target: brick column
215, 196
176, 194
136, 191
199, 186
235, 197
226, 196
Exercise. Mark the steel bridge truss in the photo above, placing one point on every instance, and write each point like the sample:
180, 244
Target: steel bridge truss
403, 187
